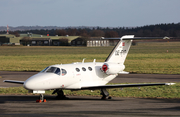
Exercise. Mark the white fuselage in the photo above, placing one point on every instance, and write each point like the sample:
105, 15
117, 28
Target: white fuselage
71, 76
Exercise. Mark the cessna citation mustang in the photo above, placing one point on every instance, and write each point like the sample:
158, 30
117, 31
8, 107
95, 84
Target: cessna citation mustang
84, 76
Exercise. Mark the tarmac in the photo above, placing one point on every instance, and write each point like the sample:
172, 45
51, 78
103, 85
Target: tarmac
87, 106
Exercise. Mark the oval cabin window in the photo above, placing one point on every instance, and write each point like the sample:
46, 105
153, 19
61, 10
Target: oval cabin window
84, 69
90, 69
77, 69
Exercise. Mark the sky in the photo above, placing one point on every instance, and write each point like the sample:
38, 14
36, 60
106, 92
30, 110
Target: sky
103, 13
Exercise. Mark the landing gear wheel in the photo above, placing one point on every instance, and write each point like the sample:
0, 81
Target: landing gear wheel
109, 97
41, 99
60, 94
104, 94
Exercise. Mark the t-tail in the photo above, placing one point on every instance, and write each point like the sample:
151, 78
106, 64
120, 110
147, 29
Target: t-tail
120, 51
115, 61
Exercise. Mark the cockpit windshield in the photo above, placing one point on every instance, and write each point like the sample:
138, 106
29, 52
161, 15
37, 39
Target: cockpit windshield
52, 70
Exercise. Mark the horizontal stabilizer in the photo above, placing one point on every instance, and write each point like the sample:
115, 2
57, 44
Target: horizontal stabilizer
124, 85
14, 81
140, 38
123, 72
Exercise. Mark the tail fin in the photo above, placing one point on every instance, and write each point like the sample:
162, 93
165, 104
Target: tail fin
120, 51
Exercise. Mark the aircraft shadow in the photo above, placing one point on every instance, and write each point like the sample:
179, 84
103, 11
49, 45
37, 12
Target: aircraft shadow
28, 98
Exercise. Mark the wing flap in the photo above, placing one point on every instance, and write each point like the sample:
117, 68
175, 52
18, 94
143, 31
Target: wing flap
124, 85
14, 81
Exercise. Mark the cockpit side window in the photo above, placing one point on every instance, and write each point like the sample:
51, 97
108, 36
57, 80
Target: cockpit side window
64, 72
54, 70
57, 71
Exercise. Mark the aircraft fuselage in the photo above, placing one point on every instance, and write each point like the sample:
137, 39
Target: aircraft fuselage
69, 76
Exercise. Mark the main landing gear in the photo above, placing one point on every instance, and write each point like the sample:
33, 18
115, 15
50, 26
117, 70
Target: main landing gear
41, 99
60, 94
105, 94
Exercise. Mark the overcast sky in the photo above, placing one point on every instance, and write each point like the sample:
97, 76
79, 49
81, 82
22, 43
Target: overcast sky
103, 13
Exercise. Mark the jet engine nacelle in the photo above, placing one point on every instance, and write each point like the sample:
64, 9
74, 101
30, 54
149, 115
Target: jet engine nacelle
112, 68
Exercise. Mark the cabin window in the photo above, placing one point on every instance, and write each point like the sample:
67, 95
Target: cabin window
64, 72
77, 69
84, 69
90, 69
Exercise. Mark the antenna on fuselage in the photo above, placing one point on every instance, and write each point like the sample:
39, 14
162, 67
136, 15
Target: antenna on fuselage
83, 60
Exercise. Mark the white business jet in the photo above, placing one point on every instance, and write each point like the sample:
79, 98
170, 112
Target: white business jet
84, 76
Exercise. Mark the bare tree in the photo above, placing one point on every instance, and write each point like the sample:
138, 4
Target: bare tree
61, 32
111, 34
15, 33
97, 33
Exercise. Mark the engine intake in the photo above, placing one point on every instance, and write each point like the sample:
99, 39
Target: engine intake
112, 68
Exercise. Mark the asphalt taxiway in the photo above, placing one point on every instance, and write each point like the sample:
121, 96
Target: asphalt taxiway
83, 106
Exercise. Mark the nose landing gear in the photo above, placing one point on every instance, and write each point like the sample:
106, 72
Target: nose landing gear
41, 99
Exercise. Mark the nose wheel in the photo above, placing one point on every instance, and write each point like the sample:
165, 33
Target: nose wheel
41, 99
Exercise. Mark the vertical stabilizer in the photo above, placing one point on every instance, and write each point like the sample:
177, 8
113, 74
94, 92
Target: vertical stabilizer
120, 51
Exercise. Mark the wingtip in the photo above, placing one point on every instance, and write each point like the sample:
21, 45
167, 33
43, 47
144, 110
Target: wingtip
170, 83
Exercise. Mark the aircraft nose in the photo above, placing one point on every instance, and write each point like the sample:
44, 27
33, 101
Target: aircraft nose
29, 84
32, 82
39, 81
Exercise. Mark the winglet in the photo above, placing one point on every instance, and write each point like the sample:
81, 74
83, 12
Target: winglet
170, 83
166, 38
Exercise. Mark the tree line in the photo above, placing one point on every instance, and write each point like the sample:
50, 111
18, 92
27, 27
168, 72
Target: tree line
158, 30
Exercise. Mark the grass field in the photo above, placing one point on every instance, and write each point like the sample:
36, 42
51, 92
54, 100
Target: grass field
142, 58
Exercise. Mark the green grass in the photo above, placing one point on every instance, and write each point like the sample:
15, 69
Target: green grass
142, 58
172, 91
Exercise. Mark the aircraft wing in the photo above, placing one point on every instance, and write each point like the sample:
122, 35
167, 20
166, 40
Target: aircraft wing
14, 81
123, 86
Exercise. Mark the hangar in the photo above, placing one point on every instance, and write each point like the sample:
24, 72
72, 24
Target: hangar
8, 39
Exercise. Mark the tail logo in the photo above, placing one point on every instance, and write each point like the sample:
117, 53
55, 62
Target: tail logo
123, 44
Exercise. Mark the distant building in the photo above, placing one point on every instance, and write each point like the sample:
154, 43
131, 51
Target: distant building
78, 42
8, 39
97, 42
43, 40
36, 41
93, 42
